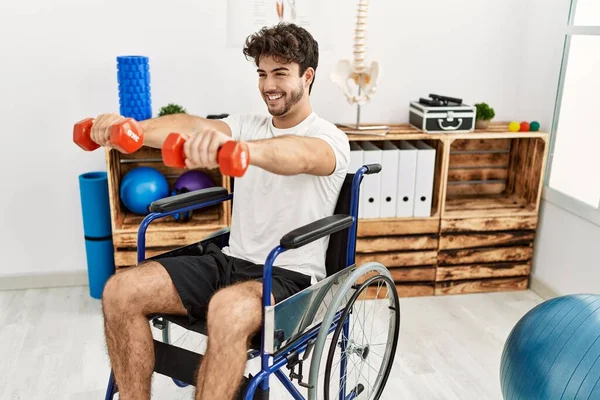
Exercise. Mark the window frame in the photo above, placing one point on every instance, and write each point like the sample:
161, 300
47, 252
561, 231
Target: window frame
550, 194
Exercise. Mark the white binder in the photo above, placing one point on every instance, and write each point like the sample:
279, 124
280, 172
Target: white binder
424, 181
371, 187
356, 161
407, 172
389, 180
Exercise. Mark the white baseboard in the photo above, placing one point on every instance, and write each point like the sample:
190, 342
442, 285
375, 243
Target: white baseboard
43, 280
542, 289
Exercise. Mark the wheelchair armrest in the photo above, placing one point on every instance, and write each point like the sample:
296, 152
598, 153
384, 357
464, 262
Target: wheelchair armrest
182, 200
315, 230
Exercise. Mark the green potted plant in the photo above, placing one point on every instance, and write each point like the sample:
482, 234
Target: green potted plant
171, 108
484, 115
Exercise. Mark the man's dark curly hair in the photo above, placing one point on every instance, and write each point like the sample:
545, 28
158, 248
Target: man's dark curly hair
285, 42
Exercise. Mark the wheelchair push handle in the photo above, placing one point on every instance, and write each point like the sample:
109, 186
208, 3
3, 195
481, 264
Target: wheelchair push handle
372, 169
233, 157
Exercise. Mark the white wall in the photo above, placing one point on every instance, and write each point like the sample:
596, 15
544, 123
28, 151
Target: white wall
58, 66
566, 258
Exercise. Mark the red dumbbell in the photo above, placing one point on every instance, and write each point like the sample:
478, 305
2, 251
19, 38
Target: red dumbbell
126, 136
233, 157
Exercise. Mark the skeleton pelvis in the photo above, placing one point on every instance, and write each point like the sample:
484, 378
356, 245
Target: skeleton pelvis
344, 73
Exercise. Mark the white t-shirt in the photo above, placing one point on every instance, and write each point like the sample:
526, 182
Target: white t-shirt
266, 206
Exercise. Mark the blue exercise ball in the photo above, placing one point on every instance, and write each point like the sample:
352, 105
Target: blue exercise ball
553, 352
140, 187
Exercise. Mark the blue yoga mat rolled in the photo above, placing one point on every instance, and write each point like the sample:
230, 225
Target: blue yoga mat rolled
93, 189
101, 264
95, 208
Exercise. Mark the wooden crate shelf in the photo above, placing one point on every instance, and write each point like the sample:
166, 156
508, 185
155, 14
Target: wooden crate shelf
480, 235
406, 246
163, 234
494, 176
478, 238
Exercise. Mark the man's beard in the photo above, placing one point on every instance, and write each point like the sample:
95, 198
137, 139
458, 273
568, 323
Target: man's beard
295, 97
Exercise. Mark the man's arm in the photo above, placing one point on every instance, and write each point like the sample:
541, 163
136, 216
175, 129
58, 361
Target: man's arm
291, 155
157, 129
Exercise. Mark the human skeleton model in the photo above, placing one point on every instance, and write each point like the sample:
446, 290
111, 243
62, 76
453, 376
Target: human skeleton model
280, 6
364, 77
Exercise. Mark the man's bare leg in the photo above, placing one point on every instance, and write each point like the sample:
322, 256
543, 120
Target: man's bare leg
128, 298
234, 315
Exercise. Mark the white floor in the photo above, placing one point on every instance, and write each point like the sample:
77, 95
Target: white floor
52, 346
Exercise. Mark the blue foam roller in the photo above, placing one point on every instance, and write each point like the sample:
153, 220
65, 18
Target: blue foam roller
133, 77
126, 88
137, 83
133, 68
134, 103
132, 96
134, 85
132, 60
95, 207
100, 263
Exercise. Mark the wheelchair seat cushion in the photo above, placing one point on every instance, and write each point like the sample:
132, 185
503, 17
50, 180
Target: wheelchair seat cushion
198, 277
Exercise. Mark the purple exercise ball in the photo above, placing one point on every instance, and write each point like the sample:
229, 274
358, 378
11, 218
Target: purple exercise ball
193, 180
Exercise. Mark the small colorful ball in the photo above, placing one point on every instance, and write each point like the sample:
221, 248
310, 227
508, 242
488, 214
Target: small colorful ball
534, 126
514, 126
524, 126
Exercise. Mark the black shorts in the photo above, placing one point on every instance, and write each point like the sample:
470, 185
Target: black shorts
197, 278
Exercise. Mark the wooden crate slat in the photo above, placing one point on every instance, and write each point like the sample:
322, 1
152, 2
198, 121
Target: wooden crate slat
485, 255
128, 257
535, 176
481, 286
143, 153
415, 290
438, 177
480, 144
477, 174
403, 290
413, 274
397, 226
467, 240
490, 202
419, 274
113, 171
400, 259
474, 188
539, 170
492, 213
160, 238
462, 160
487, 224
392, 243
480, 271
209, 215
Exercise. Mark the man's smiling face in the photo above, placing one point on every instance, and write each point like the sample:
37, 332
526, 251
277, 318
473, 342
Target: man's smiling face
280, 85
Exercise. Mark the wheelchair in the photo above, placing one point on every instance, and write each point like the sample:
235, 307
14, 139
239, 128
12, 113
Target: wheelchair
327, 320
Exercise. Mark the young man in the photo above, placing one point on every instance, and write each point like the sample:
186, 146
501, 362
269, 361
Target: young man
298, 164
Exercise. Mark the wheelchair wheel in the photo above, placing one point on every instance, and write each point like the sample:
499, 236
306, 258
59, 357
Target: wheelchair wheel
365, 356
355, 348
